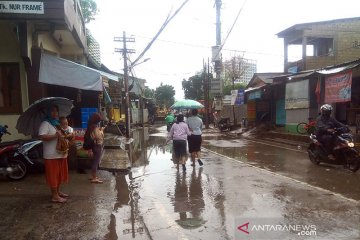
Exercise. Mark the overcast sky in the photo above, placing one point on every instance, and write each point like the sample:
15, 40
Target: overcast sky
179, 51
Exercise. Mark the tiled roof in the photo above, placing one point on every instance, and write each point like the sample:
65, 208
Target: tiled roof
93, 49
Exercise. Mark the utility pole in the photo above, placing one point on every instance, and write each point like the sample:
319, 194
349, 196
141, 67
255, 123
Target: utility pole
207, 95
218, 4
124, 52
216, 84
206, 90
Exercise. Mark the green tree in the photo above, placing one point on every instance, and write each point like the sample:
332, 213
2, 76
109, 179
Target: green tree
228, 87
164, 95
193, 88
149, 93
89, 9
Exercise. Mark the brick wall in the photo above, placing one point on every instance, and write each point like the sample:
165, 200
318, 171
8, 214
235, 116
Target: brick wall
345, 34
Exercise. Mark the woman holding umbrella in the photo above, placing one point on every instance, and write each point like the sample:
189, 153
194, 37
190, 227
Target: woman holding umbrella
56, 167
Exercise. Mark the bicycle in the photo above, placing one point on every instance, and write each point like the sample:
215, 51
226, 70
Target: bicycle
306, 128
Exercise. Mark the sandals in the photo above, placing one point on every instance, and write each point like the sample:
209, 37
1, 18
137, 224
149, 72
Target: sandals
96, 180
63, 195
59, 200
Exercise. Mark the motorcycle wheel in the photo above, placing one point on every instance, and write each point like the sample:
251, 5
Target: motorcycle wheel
313, 158
301, 128
353, 161
20, 169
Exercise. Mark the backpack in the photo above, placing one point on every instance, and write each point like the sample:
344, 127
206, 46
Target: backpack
88, 141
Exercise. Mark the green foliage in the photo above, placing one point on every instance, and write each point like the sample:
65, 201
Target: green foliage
89, 9
149, 93
193, 88
228, 87
164, 95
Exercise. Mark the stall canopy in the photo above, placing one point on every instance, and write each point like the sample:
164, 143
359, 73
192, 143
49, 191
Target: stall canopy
62, 72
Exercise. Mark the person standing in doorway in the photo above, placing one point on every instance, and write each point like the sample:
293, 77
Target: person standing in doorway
56, 166
178, 133
194, 140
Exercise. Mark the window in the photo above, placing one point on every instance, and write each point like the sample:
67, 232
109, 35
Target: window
10, 88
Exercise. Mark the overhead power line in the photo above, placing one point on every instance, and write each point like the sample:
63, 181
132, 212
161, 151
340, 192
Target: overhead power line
168, 19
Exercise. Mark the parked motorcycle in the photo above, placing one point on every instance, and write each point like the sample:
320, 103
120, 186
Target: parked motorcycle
224, 124
17, 156
3, 131
344, 152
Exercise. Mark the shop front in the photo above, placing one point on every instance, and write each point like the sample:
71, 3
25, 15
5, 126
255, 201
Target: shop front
81, 84
342, 90
258, 106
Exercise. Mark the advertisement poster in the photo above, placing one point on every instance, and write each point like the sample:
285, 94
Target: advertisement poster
297, 95
338, 87
240, 99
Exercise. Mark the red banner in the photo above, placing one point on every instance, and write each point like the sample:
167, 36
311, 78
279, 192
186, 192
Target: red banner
338, 87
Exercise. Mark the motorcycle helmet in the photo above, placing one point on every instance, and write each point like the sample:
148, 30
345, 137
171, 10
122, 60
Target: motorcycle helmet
326, 110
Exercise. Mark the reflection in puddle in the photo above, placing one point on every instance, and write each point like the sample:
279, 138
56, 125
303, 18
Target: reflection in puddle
184, 199
155, 201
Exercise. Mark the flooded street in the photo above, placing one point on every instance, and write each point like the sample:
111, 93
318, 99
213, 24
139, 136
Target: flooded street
288, 161
224, 199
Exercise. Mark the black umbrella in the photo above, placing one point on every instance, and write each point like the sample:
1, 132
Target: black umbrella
29, 122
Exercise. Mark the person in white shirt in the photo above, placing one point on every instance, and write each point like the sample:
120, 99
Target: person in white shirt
56, 167
194, 140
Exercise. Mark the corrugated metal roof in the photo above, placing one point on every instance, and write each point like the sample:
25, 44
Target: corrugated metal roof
254, 88
333, 70
301, 75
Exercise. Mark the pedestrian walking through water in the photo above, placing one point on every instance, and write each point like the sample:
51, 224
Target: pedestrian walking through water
178, 133
194, 140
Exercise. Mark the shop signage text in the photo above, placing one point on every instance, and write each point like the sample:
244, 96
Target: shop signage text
21, 7
254, 95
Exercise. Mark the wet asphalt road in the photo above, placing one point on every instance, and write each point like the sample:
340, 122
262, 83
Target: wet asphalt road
156, 201
288, 161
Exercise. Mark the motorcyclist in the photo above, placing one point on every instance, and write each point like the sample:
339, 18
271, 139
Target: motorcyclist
169, 120
325, 127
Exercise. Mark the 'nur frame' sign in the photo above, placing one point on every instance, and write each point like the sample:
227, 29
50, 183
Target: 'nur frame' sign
21, 7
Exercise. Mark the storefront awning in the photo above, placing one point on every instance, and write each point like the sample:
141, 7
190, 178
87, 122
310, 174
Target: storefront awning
62, 72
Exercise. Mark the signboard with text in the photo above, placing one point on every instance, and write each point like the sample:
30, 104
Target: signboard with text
338, 88
24, 7
297, 95
254, 95
240, 99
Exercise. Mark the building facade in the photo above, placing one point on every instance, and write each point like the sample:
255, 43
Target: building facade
322, 44
27, 30
248, 68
